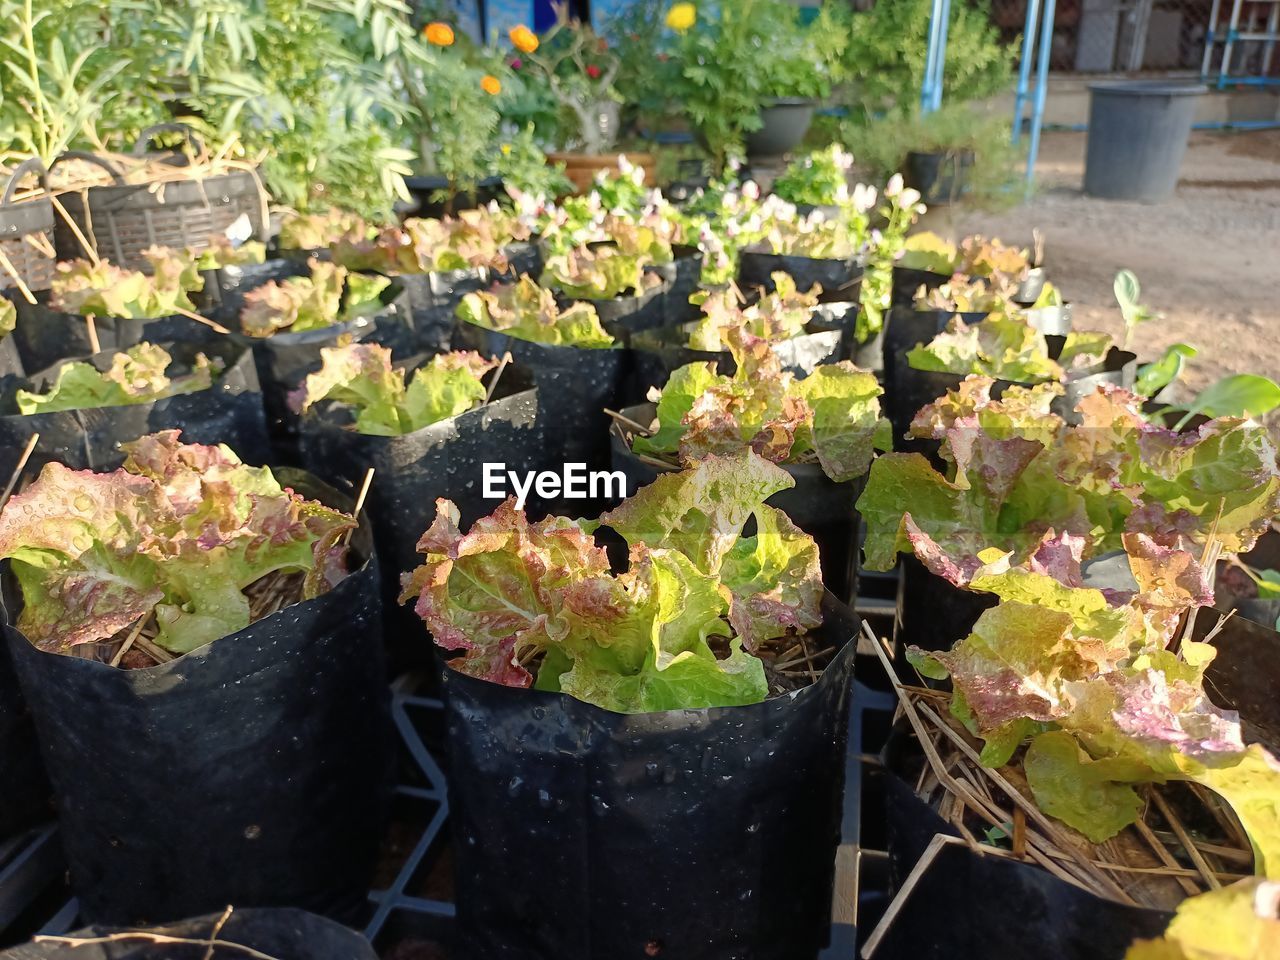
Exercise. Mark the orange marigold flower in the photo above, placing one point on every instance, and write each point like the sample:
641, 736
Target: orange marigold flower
523, 39
491, 84
441, 34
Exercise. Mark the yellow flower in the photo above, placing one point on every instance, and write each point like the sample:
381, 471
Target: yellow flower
491, 85
441, 34
523, 39
682, 16
506, 149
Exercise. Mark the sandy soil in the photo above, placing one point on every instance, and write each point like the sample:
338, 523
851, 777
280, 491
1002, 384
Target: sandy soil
1208, 260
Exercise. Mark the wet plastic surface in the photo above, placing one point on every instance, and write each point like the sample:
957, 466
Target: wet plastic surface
684, 276
10, 359
692, 834
840, 280
281, 934
230, 412
255, 770
575, 384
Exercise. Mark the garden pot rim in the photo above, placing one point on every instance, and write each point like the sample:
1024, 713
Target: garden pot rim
789, 101
615, 346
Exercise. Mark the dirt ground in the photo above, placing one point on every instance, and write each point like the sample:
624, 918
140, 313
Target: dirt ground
1208, 260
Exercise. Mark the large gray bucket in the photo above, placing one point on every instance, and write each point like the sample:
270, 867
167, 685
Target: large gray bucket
1137, 138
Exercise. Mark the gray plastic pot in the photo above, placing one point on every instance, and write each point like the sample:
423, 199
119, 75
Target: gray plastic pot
1137, 138
786, 121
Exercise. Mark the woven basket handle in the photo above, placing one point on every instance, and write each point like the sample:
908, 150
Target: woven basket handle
27, 166
89, 158
149, 134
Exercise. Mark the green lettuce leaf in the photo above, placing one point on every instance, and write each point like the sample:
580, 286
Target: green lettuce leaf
599, 274
529, 312
296, 304
138, 375
928, 251
8, 317
1080, 791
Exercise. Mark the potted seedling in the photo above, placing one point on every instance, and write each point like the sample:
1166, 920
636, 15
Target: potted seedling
615, 281
80, 412
1082, 716
1019, 478
93, 305
425, 429
618, 709
177, 612
786, 317
812, 249
288, 322
823, 429
576, 364
817, 181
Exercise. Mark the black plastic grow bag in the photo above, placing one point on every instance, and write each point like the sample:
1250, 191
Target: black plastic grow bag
657, 353
684, 278
431, 298
840, 279
27, 798
44, 336
625, 316
950, 913
282, 934
253, 771
1243, 674
229, 412
445, 459
10, 358
816, 504
575, 385
907, 282
933, 614
904, 328
698, 834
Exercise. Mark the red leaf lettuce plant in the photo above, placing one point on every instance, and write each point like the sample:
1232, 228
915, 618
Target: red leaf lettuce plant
104, 290
328, 295
474, 239
361, 377
1004, 346
832, 415
527, 311
181, 530
535, 604
137, 375
1021, 480
1094, 681
602, 273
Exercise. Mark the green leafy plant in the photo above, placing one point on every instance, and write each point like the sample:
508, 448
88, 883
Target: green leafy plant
963, 295
474, 239
316, 231
328, 295
1239, 395
359, 376
928, 251
815, 236
137, 375
529, 312
1001, 347
1021, 480
738, 57
174, 542
779, 315
1155, 376
831, 416
599, 274
8, 317
1093, 683
524, 169
882, 143
224, 252
880, 65
1127, 291
685, 627
104, 290
820, 178
898, 214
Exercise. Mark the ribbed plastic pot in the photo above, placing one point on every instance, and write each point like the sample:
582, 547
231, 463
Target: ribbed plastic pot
816, 504
1138, 132
699, 834
229, 412
255, 770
